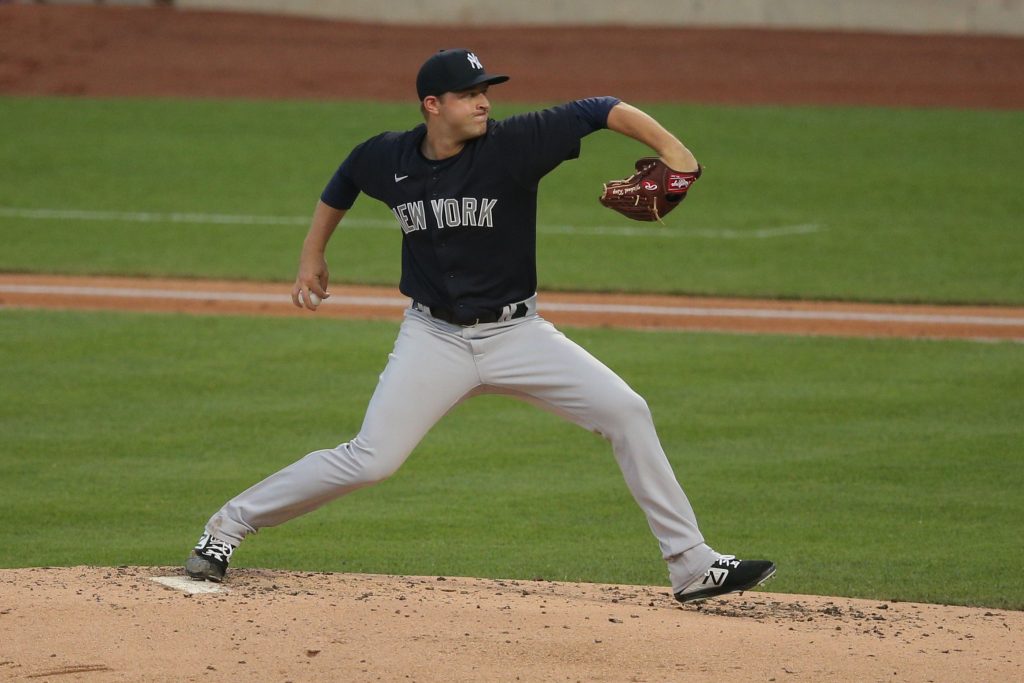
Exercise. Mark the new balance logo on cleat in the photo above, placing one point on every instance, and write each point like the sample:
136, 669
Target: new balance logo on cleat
727, 575
716, 577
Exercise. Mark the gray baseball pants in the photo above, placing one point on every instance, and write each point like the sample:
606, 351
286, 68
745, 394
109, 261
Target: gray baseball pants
436, 365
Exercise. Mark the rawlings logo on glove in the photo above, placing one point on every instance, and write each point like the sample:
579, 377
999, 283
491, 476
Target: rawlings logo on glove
651, 192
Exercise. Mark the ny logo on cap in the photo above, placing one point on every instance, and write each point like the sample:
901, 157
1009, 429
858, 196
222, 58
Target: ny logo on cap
474, 61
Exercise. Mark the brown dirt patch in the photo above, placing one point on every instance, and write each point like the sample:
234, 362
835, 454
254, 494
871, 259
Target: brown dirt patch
167, 52
104, 624
636, 311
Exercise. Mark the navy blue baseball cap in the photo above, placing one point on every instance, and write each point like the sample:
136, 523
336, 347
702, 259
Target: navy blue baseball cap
451, 71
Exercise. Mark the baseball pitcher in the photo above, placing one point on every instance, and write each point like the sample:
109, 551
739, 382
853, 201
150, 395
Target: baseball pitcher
463, 190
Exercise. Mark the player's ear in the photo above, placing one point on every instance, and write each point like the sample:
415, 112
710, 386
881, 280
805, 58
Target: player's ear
431, 105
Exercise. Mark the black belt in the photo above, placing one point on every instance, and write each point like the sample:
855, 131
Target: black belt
450, 316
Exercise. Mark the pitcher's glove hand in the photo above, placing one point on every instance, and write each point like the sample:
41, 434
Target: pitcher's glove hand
651, 192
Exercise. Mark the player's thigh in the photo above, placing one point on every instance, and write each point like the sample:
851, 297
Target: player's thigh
428, 372
541, 364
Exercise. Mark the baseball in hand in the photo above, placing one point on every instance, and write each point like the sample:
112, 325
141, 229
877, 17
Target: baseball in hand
313, 298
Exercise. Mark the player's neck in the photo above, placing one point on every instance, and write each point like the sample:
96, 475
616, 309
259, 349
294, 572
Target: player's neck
436, 147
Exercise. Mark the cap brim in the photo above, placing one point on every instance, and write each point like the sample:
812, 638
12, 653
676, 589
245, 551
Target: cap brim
489, 79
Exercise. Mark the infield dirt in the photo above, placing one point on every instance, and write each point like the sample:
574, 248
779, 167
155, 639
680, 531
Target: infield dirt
115, 624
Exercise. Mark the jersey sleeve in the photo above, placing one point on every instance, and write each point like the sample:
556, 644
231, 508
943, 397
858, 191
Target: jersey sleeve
539, 141
594, 111
342, 189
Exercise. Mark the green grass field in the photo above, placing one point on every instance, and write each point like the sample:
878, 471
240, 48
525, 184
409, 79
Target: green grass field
885, 469
873, 468
800, 202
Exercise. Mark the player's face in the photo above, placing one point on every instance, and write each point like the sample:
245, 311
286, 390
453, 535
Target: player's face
465, 112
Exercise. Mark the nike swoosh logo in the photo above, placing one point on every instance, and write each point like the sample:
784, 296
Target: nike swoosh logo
400, 178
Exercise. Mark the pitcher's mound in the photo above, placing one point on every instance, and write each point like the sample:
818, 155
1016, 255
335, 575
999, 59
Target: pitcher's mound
117, 624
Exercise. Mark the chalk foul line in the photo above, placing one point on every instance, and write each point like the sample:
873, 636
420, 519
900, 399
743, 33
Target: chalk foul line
381, 224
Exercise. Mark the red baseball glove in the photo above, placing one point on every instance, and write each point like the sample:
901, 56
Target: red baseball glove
651, 192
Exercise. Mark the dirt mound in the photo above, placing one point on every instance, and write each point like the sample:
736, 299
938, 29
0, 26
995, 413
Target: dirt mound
117, 624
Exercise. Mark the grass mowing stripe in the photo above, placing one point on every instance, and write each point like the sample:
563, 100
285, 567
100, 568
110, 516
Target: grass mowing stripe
879, 469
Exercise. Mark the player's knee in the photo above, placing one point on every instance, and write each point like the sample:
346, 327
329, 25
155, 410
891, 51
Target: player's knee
369, 465
626, 412
374, 470
633, 406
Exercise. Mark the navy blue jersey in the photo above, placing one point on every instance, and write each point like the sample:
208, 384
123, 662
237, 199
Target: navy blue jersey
469, 222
